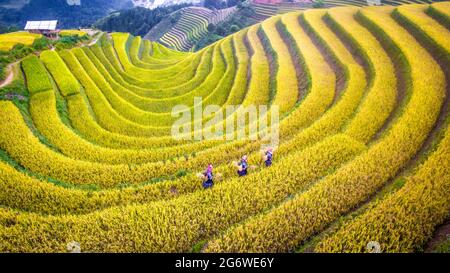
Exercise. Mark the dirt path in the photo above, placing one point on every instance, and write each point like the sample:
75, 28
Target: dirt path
441, 234
10, 71
10, 75
95, 40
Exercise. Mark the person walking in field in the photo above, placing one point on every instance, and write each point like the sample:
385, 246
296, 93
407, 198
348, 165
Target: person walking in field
268, 156
242, 166
208, 177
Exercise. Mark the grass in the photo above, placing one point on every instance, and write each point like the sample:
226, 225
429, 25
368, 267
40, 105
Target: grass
323, 179
9, 40
72, 32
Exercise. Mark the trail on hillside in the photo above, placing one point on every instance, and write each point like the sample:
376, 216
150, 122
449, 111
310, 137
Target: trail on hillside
96, 38
9, 77
441, 234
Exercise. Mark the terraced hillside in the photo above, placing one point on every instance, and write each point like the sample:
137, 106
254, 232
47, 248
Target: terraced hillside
192, 26
363, 155
265, 9
9, 40
383, 2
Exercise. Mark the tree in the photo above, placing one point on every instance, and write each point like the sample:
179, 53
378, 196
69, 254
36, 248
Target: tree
232, 3
7, 29
211, 27
213, 4
318, 4
220, 30
138, 21
234, 28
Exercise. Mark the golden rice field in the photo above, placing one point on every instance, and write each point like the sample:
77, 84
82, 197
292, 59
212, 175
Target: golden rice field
363, 155
72, 32
9, 40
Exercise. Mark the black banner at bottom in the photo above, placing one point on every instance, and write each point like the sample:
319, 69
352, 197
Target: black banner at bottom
220, 262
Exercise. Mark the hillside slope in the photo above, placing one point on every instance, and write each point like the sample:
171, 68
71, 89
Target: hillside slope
184, 27
267, 8
151, 4
137, 21
358, 103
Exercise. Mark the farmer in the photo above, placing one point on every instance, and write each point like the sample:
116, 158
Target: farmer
242, 166
208, 177
268, 155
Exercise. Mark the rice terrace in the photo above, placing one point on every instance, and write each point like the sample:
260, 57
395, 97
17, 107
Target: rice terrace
314, 129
